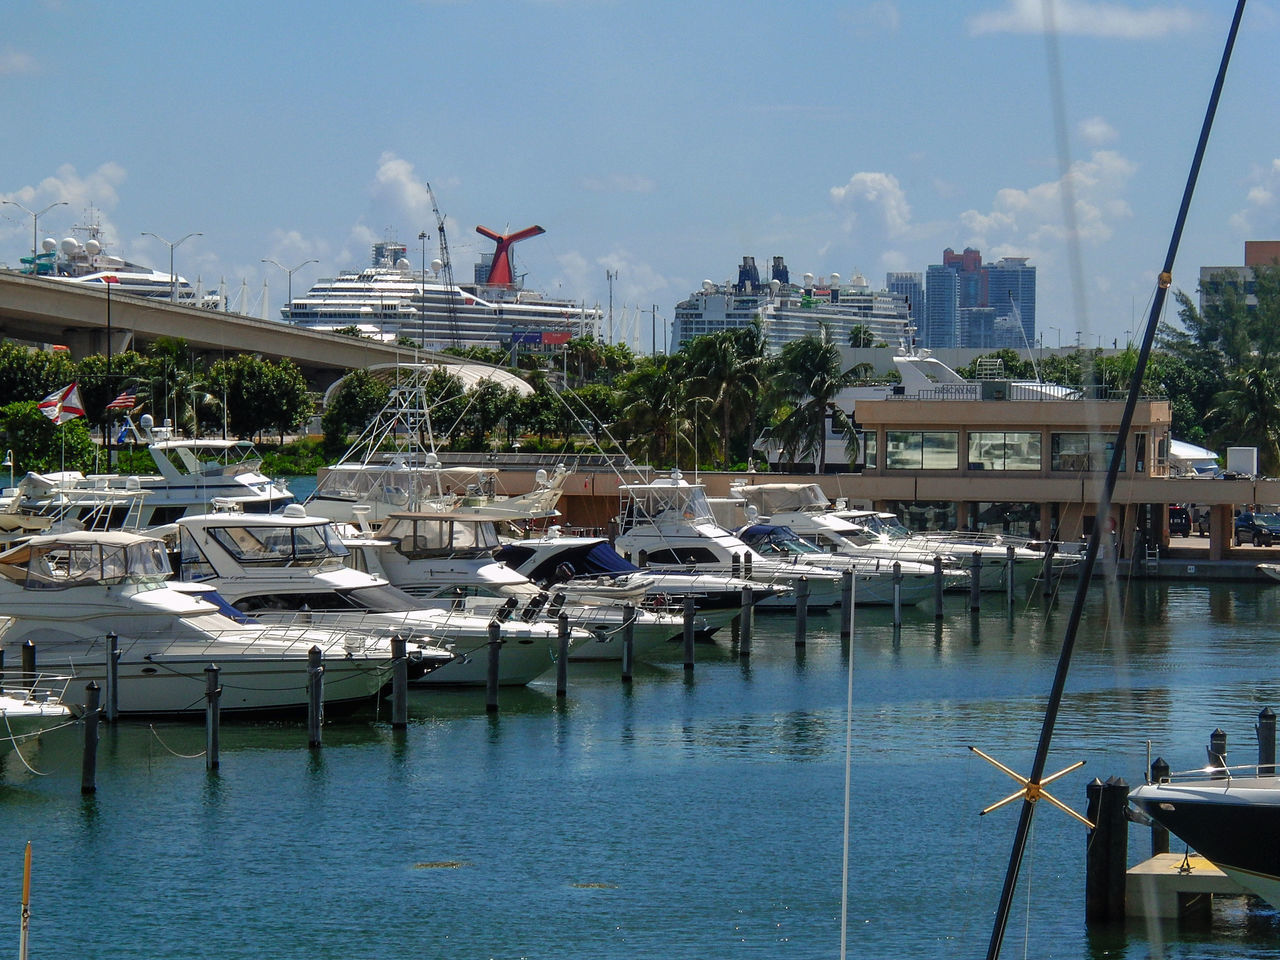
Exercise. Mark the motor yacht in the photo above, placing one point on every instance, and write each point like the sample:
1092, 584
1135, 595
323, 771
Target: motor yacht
668, 525
31, 707
75, 594
290, 569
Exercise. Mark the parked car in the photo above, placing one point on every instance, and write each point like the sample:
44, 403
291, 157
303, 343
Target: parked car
1260, 529
1179, 522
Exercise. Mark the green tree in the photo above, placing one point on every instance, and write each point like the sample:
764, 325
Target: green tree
355, 403
176, 388
261, 394
729, 369
27, 374
860, 336
1248, 412
651, 399
808, 379
40, 445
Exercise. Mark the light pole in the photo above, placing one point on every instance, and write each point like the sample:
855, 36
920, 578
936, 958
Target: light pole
1058, 330
35, 216
173, 279
8, 462
290, 273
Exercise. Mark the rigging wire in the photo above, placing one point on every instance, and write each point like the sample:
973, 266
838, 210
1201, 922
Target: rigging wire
1109, 485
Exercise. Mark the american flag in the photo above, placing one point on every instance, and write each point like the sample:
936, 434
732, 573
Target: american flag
127, 400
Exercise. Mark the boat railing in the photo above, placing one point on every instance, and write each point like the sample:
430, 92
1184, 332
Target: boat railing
40, 688
1227, 774
353, 630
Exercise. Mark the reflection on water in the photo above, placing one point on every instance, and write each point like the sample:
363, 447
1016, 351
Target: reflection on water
679, 815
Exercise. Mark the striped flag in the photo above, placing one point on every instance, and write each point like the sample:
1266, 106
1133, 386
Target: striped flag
127, 400
63, 405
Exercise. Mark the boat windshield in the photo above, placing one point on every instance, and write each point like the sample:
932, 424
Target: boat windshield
418, 537
775, 540
64, 564
658, 502
307, 545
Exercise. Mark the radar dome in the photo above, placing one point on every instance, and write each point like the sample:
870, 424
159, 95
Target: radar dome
69, 245
707, 286
775, 286
835, 279
808, 279
860, 281
93, 248
437, 265
48, 244
402, 264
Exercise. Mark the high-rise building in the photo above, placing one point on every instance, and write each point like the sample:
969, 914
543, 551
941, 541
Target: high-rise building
910, 286
941, 307
1011, 292
1007, 288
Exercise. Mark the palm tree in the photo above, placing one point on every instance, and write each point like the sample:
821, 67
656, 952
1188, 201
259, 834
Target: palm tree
810, 375
727, 368
1249, 409
652, 415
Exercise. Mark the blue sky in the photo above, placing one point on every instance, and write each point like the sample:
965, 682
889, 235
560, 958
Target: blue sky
660, 140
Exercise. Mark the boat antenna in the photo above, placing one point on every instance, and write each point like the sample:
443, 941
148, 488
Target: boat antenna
1164, 281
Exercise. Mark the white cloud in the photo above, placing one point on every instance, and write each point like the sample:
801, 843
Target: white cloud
1096, 19
1035, 214
395, 182
1261, 214
879, 15
619, 183
96, 190
1096, 131
16, 62
881, 194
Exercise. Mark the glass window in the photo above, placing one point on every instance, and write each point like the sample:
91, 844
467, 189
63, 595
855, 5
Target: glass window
1004, 451
922, 450
870, 450
1082, 452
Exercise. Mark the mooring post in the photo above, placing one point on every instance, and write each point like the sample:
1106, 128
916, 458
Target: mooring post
735, 564
1159, 835
89, 761
399, 682
28, 663
1008, 574
212, 716
491, 678
562, 658
1217, 751
690, 612
1046, 573
846, 604
315, 696
113, 677
1107, 850
937, 588
746, 565
1266, 729
746, 614
802, 611
628, 640
975, 583
897, 594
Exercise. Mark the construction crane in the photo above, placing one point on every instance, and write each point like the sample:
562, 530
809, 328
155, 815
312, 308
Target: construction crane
447, 267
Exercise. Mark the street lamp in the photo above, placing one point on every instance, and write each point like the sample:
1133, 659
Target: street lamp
290, 273
173, 279
1058, 330
35, 219
8, 462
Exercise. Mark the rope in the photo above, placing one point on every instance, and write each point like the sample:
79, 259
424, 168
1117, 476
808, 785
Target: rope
14, 740
184, 756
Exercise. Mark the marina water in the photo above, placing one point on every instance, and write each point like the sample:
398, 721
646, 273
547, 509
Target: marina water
685, 815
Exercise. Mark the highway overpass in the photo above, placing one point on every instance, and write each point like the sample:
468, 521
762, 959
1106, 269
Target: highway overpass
43, 311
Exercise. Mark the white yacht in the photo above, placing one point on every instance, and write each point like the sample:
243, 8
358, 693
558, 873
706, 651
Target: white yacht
668, 524
191, 475
66, 593
448, 560
31, 707
83, 259
390, 300
291, 569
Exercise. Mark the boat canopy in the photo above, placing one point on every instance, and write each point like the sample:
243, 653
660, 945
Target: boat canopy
85, 558
771, 498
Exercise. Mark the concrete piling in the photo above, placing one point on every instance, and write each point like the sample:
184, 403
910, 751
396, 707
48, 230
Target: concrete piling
399, 683
690, 613
491, 676
212, 716
89, 760
1107, 850
562, 658
315, 697
628, 641
802, 611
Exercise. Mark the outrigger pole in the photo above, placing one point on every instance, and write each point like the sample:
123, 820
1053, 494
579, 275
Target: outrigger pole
1104, 510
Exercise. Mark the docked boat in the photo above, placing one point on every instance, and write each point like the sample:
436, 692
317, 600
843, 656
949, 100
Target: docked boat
69, 593
290, 569
191, 475
668, 525
390, 300
33, 707
589, 570
448, 560
1234, 822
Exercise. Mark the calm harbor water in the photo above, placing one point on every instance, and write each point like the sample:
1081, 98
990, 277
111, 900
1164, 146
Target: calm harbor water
685, 816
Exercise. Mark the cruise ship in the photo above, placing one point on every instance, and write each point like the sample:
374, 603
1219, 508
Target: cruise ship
389, 300
790, 311
83, 259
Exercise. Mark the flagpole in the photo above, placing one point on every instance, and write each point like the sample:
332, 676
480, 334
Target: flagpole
107, 427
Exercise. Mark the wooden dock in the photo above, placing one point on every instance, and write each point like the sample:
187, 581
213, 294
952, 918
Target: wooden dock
1171, 885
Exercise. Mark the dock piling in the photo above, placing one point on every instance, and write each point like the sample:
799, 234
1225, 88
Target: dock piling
491, 677
399, 683
562, 658
690, 612
89, 761
897, 594
937, 588
212, 716
846, 604
1217, 751
1266, 730
628, 641
113, 678
1008, 575
746, 616
28, 663
802, 611
1108, 850
1159, 835
315, 696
